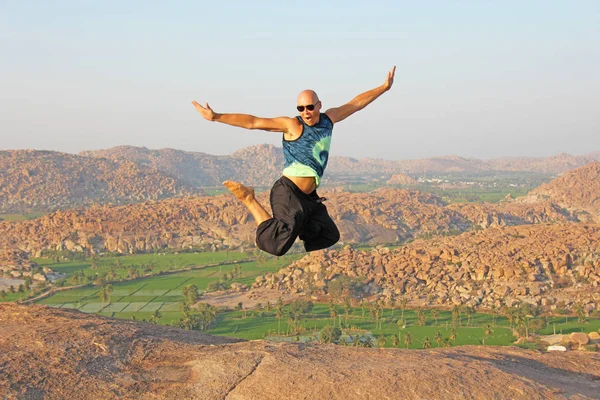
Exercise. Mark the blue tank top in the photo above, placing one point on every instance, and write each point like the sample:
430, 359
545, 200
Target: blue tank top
308, 155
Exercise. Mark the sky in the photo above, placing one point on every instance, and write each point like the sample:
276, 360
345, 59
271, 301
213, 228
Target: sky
479, 79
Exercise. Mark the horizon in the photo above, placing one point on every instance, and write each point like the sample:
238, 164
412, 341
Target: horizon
591, 153
473, 80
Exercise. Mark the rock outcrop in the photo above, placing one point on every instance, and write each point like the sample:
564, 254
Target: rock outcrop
262, 164
537, 264
52, 353
258, 165
14, 260
401, 179
219, 222
47, 180
577, 190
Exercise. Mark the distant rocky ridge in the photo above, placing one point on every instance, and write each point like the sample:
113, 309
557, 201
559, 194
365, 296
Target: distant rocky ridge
257, 165
55, 353
577, 190
538, 264
262, 165
219, 222
47, 180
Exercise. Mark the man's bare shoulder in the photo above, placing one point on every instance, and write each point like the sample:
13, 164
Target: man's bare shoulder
294, 130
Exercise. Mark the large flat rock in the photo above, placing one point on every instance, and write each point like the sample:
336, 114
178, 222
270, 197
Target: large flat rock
51, 353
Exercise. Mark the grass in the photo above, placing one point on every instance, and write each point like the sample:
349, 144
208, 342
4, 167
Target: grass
563, 327
158, 262
22, 217
140, 298
163, 289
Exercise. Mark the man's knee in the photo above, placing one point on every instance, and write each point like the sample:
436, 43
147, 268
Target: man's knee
275, 237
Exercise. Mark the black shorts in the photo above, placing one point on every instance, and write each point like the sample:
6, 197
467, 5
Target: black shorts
296, 214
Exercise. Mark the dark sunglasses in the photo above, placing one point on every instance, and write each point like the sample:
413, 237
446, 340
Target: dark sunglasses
309, 107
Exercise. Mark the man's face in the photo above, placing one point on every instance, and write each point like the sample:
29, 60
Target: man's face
305, 102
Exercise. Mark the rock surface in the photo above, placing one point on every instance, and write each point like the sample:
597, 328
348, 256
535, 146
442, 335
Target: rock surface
218, 222
535, 264
48, 180
51, 353
577, 190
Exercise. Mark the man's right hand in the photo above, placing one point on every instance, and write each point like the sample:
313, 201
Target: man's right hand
206, 112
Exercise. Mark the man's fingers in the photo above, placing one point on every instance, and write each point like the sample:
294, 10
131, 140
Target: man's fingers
392, 72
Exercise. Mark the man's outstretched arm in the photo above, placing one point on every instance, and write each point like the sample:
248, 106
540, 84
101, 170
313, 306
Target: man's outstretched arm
361, 101
279, 124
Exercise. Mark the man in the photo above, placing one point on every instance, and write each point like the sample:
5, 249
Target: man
297, 209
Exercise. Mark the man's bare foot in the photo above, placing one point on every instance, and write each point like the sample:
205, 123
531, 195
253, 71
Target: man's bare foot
244, 193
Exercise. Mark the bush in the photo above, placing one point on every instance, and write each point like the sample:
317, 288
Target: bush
329, 334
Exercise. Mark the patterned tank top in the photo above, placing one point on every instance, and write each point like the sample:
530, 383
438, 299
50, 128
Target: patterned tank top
308, 155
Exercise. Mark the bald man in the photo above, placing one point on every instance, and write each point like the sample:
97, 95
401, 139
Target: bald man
298, 211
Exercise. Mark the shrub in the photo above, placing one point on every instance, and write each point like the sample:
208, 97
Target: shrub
329, 334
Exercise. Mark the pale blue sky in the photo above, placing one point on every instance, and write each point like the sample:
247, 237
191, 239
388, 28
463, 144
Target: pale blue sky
474, 78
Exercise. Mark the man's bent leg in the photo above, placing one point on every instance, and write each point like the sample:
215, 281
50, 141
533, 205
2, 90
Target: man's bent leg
246, 195
275, 236
320, 231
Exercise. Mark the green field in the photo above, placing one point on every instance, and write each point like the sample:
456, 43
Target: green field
161, 292
157, 262
22, 217
141, 298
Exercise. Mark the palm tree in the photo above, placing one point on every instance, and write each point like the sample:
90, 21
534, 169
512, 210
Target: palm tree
105, 292
155, 317
488, 330
94, 261
382, 340
493, 309
190, 293
408, 339
438, 338
333, 311
470, 311
347, 308
103, 295
456, 311
363, 304
453, 334
395, 340
109, 290
403, 304
426, 342
392, 304
435, 314
447, 342
421, 317
580, 311
279, 314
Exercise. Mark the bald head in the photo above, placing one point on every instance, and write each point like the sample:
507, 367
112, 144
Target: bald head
307, 97
309, 106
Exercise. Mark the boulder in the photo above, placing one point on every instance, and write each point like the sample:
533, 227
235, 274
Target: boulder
557, 348
580, 338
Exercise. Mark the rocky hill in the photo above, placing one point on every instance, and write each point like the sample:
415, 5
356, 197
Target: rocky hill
538, 264
577, 190
218, 222
262, 164
52, 353
46, 180
258, 165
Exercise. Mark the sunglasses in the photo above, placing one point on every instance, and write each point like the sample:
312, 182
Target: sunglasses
309, 107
